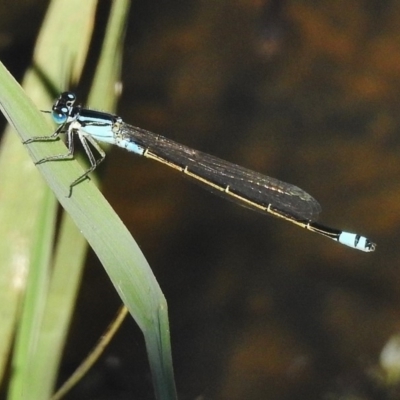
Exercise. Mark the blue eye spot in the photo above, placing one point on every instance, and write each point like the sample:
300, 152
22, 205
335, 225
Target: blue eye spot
58, 117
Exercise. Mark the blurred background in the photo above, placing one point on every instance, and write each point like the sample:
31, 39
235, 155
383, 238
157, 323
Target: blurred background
307, 92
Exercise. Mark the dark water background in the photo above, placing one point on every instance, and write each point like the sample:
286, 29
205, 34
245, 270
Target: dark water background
305, 91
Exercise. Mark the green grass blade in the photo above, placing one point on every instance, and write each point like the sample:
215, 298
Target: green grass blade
127, 268
19, 200
119, 254
25, 360
56, 45
104, 91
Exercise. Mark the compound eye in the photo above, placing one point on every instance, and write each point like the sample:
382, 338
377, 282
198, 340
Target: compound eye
59, 117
